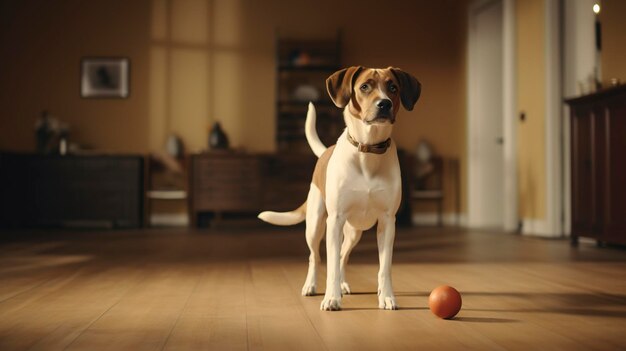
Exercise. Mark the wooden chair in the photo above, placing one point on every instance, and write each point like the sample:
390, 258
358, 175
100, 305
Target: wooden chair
165, 180
431, 188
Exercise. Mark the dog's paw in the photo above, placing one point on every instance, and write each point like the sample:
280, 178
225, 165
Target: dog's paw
387, 302
331, 304
308, 290
345, 288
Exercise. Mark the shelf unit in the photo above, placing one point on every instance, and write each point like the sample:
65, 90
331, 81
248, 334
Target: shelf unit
301, 71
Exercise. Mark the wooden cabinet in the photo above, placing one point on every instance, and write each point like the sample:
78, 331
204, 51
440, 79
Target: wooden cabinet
302, 69
100, 191
226, 182
598, 165
240, 183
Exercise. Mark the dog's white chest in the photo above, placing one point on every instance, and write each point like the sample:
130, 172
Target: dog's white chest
365, 200
368, 193
363, 192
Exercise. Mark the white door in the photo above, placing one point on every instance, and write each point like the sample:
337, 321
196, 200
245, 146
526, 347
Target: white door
485, 138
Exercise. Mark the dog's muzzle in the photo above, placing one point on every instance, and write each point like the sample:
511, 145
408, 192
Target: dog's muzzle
383, 112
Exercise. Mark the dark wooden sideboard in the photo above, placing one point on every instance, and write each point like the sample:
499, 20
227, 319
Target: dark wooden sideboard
92, 191
241, 183
598, 166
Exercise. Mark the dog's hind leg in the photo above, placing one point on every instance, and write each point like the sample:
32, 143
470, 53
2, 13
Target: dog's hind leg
351, 237
315, 228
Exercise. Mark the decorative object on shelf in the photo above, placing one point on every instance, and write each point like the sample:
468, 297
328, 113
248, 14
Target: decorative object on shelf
306, 93
300, 58
63, 142
43, 132
51, 135
424, 166
105, 77
174, 146
217, 137
423, 151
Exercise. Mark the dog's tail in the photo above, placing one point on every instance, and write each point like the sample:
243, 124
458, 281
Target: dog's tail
311, 134
298, 215
284, 218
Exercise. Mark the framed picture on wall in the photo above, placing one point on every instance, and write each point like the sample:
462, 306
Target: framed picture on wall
104, 77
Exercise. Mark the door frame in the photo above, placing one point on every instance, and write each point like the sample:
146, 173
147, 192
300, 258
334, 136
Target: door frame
578, 61
553, 226
509, 154
556, 150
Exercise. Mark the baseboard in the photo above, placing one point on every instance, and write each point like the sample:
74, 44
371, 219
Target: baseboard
169, 220
541, 228
431, 219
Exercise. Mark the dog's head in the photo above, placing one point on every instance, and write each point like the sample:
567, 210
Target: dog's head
373, 95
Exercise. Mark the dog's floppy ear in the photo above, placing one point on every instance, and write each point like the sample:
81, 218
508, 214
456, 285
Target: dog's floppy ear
410, 88
339, 85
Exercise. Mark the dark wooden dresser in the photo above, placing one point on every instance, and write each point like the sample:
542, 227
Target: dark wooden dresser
83, 191
598, 166
241, 183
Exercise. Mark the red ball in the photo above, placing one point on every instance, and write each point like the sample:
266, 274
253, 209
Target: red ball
445, 302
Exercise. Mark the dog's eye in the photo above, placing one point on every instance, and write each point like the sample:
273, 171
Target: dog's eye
393, 88
365, 87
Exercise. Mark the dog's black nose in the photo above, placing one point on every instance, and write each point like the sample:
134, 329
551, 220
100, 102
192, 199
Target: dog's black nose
384, 104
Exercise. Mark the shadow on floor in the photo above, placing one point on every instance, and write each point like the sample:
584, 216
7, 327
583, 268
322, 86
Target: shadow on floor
581, 304
484, 320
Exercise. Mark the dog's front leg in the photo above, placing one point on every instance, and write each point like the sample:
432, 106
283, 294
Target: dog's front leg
386, 233
334, 238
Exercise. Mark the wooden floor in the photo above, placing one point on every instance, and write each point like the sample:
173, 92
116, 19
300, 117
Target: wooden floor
240, 290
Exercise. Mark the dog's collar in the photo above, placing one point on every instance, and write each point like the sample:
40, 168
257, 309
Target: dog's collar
378, 149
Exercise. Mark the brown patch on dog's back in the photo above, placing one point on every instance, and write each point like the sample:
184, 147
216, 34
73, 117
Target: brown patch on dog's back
319, 174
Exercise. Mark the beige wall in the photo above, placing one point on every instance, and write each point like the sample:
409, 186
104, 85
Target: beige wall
531, 95
613, 56
41, 46
196, 61
531, 91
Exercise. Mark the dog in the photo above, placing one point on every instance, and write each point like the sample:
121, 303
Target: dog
356, 182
